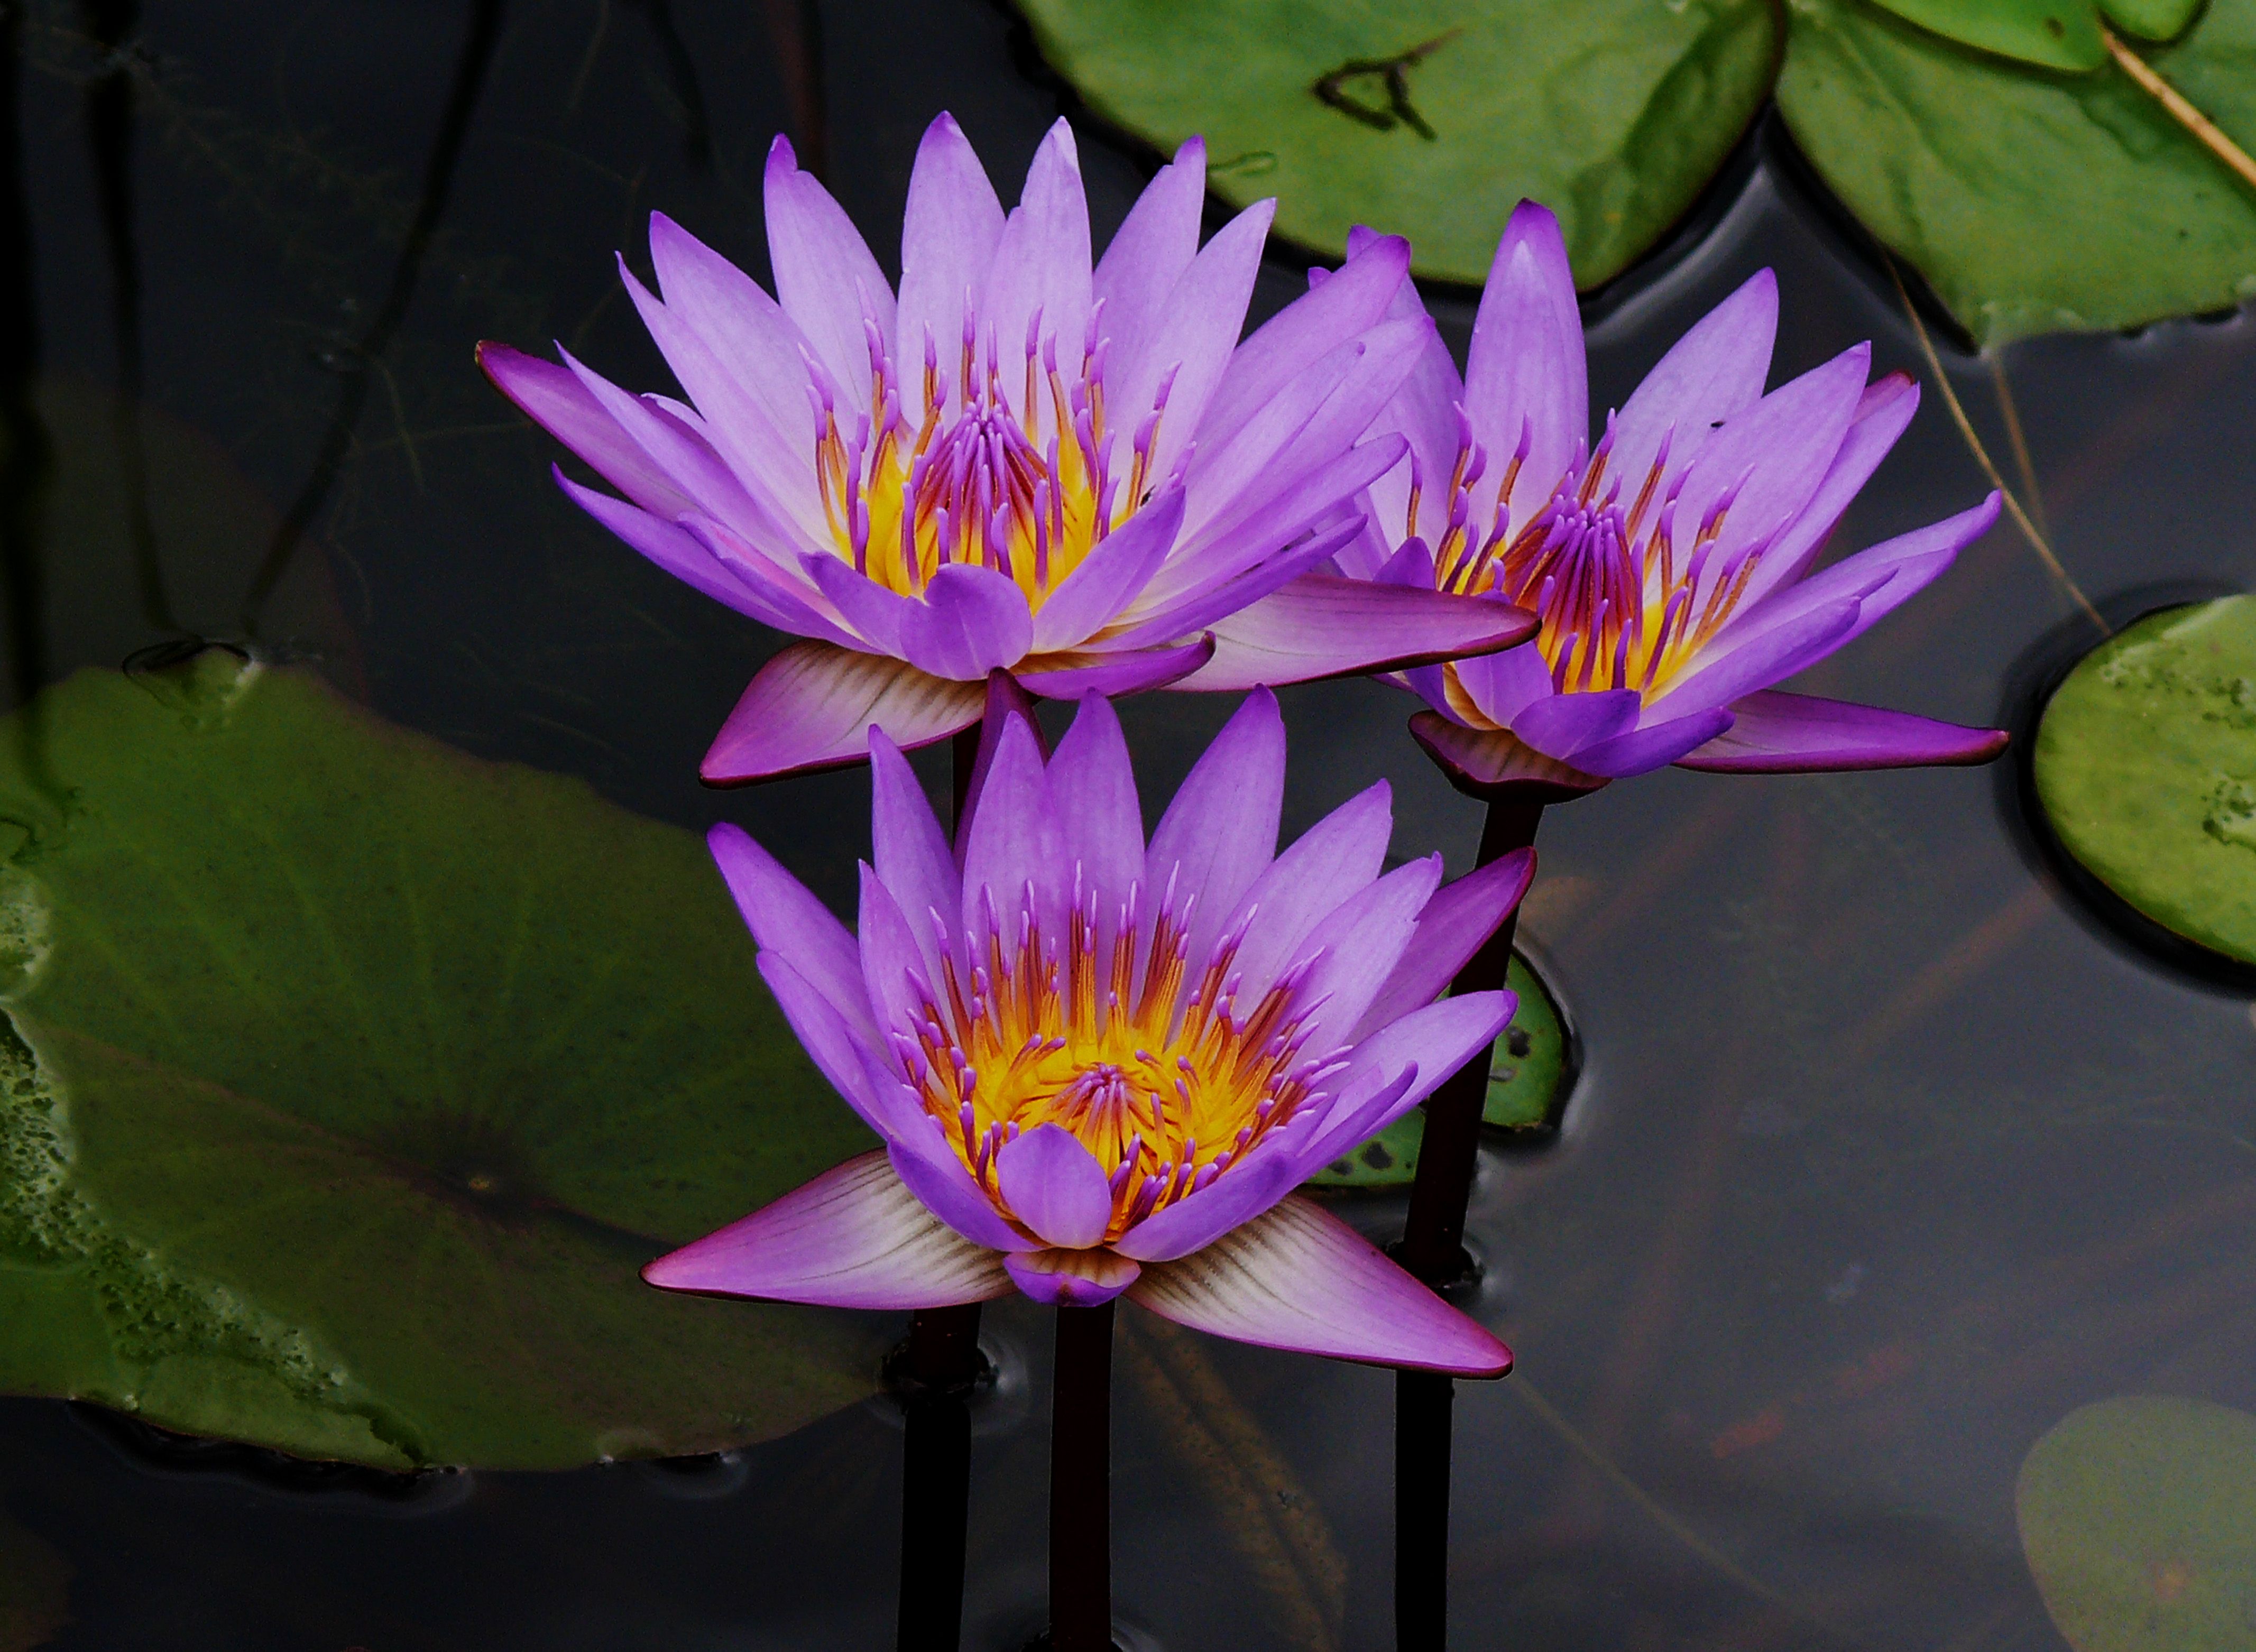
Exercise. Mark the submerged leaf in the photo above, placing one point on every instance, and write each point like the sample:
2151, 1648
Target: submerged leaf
1431, 120
2146, 767
2033, 200
2138, 1516
352, 1078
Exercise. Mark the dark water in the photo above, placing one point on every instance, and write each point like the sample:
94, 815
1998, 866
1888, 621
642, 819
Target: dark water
1884, 1157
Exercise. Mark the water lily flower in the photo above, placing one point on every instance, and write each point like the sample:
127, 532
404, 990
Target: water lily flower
1013, 461
1670, 564
1100, 1064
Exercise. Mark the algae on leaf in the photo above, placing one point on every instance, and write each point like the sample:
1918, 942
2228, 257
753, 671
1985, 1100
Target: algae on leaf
2146, 767
352, 1078
2034, 199
1432, 118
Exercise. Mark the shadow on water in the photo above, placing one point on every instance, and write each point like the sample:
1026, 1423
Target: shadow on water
26, 452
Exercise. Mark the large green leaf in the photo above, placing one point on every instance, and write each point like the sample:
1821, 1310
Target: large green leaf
2139, 1519
352, 1078
2146, 766
1431, 118
2033, 200
2059, 34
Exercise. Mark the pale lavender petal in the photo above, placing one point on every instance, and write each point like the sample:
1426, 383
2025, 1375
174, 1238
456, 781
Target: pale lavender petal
1006, 703
1921, 558
1883, 414
552, 397
1503, 684
909, 849
1643, 750
854, 1237
1429, 1045
1111, 576
890, 948
1041, 265
1239, 1194
1563, 724
1767, 657
948, 236
703, 476
803, 609
1356, 948
1334, 860
812, 707
1149, 253
1191, 337
1012, 840
1525, 369
1071, 1278
937, 1178
1710, 373
1373, 1095
1054, 1186
1093, 786
673, 549
830, 1041
783, 914
971, 621
1355, 298
876, 615
828, 283
1452, 926
1299, 1279
1220, 832
1774, 732
1130, 672
1424, 409
1321, 625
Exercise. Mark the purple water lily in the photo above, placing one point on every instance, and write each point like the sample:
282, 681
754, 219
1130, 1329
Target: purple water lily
1670, 564
1013, 462
1102, 1066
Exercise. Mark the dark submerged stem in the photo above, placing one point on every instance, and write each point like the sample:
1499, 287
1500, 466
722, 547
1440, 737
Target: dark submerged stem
1081, 1482
941, 1364
1422, 1403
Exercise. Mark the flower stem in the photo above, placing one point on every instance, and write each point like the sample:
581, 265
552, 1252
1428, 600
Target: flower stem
1081, 1482
941, 1364
1433, 1248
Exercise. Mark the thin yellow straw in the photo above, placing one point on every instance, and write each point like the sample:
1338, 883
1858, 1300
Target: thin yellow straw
2183, 113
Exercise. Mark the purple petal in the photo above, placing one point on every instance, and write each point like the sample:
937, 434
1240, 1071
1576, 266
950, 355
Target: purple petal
1642, 750
1191, 337
1052, 1185
1424, 409
1071, 1278
1094, 787
1774, 732
1235, 1197
932, 1171
824, 274
1041, 264
1073, 676
1564, 724
808, 613
1333, 861
1710, 374
1452, 926
1006, 703
1298, 1279
812, 707
1501, 685
1220, 831
701, 475
971, 621
1012, 840
1111, 576
676, 550
783, 916
1428, 1045
1767, 655
854, 1237
831, 1042
1149, 253
876, 615
1883, 414
1526, 369
948, 236
552, 397
1356, 948
1321, 625
909, 850
1490, 763
1355, 298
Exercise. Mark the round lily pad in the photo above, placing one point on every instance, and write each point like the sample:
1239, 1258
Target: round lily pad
1530, 1070
2146, 769
347, 1081
2033, 200
1432, 118
2138, 1516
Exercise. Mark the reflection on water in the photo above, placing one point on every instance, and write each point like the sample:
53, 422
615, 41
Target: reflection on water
1881, 1161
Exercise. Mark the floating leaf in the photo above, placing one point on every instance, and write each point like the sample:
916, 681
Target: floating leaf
2139, 1519
2059, 34
34, 1590
352, 1078
2146, 767
1526, 1067
2033, 200
1432, 118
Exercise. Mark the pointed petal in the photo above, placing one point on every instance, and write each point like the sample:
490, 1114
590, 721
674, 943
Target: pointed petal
1112, 575
971, 621
1452, 926
908, 847
1501, 685
1071, 1278
854, 1237
1525, 366
1428, 1045
785, 916
834, 1047
1131, 671
1329, 863
1882, 415
1149, 253
1192, 336
1710, 373
1320, 625
1656, 745
824, 274
1053, 1184
1094, 786
1769, 656
1356, 947
1013, 840
1563, 724
1298, 1279
933, 1172
1041, 264
1235, 1197
1220, 831
679, 552
948, 236
552, 397
812, 707
1006, 704
1774, 732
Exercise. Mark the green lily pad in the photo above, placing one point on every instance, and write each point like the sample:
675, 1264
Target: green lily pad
2033, 200
2146, 767
1432, 118
2060, 34
2138, 1516
34, 1590
347, 1081
1526, 1066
